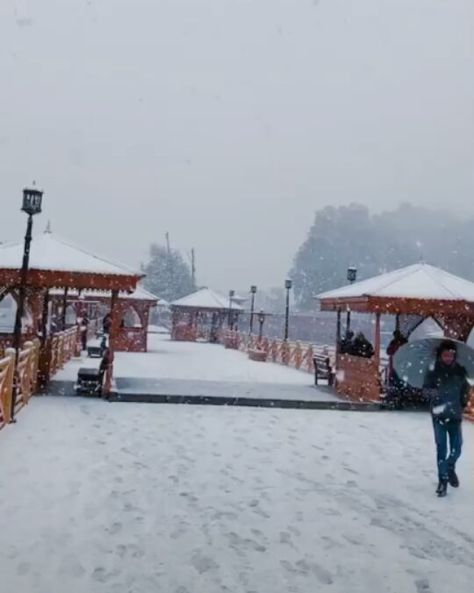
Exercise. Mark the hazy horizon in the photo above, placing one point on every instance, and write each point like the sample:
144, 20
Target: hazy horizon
228, 123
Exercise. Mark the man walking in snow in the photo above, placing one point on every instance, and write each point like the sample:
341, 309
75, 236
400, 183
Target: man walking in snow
448, 390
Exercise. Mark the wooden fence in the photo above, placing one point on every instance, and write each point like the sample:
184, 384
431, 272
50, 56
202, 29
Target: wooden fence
63, 347
298, 355
7, 367
60, 349
26, 382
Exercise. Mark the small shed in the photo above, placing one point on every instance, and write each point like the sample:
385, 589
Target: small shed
412, 294
202, 315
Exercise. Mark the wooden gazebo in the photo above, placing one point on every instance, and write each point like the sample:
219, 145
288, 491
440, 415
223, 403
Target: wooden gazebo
202, 314
133, 311
412, 294
56, 264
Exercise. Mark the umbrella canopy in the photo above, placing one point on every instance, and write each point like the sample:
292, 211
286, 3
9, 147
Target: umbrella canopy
413, 361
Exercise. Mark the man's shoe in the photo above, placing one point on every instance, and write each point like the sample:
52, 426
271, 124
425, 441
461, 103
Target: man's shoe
453, 479
442, 489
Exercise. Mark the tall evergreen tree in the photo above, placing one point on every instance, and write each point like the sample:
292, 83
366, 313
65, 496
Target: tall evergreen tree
167, 274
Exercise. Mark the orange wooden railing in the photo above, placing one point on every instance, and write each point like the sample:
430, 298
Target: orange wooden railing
63, 348
7, 368
27, 373
26, 382
298, 355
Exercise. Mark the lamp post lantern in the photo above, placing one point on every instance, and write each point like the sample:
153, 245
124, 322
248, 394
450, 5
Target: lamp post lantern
231, 297
288, 286
253, 292
351, 274
261, 321
32, 201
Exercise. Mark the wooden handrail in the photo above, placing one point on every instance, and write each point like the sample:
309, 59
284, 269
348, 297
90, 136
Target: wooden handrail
7, 369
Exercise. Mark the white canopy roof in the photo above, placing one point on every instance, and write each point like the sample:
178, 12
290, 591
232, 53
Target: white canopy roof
53, 254
419, 281
206, 299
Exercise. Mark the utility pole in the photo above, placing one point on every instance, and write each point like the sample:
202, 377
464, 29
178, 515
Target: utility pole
193, 266
168, 248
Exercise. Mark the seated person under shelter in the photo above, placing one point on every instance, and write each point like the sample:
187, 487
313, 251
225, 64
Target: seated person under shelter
362, 347
346, 342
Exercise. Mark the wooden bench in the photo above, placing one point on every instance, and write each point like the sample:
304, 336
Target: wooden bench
323, 368
257, 355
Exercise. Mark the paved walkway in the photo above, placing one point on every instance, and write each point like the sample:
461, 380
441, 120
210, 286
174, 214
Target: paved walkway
200, 369
136, 498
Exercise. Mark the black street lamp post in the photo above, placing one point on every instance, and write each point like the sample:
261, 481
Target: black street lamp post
32, 200
261, 321
351, 277
231, 297
288, 286
253, 292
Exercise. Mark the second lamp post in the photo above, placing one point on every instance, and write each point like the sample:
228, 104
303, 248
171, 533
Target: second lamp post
253, 292
231, 302
288, 286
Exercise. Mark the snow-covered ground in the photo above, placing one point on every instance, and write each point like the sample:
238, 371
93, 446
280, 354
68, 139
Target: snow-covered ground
136, 498
182, 368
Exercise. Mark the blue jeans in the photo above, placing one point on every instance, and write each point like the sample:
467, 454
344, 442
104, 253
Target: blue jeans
442, 430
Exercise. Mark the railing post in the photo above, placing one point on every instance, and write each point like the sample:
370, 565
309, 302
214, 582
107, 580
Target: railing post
45, 362
27, 379
8, 385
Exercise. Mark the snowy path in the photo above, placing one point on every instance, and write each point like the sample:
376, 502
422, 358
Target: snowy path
104, 498
182, 368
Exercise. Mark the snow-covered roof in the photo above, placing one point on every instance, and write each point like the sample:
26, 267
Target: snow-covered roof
206, 299
419, 281
139, 294
48, 252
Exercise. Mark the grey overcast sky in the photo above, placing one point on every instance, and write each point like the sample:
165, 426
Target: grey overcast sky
229, 122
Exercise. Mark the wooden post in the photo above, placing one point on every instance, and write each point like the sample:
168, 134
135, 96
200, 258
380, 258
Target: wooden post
338, 334
63, 319
114, 330
338, 345
44, 317
377, 340
7, 385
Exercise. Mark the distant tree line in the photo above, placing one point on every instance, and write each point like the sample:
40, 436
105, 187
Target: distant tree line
374, 243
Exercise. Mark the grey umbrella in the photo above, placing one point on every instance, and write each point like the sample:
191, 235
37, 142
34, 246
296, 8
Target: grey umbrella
413, 360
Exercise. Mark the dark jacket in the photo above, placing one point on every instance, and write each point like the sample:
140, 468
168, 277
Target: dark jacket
448, 390
362, 347
395, 345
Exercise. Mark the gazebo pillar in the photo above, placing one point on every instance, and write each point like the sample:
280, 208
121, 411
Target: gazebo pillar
113, 334
338, 338
44, 317
377, 339
63, 319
